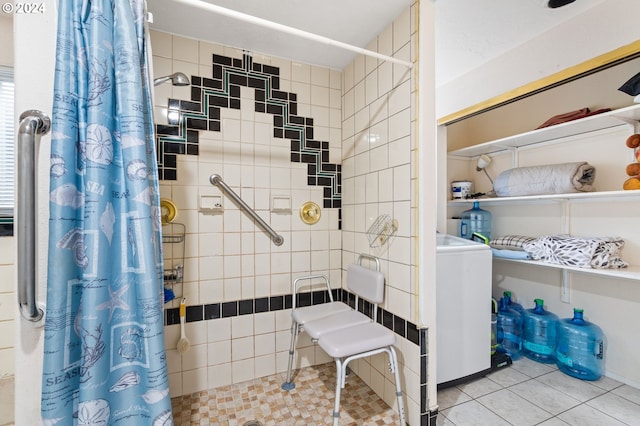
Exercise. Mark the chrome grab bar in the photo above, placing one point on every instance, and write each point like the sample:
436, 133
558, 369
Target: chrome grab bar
32, 123
216, 180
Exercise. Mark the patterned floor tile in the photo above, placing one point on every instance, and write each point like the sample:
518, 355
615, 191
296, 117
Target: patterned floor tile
310, 403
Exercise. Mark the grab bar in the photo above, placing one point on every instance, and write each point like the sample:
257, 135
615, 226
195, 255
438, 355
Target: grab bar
216, 179
32, 123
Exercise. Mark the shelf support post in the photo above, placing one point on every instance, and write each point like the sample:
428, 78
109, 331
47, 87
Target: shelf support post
565, 290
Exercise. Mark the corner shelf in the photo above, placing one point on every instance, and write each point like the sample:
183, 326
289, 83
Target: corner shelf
599, 196
629, 116
632, 272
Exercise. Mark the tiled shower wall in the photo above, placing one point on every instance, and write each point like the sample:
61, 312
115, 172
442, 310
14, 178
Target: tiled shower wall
7, 303
364, 115
234, 276
378, 175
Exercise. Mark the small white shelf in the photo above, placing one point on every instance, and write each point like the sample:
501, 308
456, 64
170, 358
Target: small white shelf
628, 115
630, 273
600, 196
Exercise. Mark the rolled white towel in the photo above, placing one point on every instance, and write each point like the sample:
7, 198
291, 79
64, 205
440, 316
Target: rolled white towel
548, 179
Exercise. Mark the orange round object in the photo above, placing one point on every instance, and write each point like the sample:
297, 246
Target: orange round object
633, 141
631, 183
633, 169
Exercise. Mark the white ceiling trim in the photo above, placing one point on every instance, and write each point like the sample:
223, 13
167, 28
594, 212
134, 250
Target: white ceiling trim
290, 30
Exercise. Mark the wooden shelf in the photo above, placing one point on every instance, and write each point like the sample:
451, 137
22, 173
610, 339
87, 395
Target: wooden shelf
619, 117
601, 196
630, 273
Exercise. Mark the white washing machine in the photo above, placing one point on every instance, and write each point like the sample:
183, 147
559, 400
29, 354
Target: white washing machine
463, 316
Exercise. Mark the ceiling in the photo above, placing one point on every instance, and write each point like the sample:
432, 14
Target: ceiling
468, 32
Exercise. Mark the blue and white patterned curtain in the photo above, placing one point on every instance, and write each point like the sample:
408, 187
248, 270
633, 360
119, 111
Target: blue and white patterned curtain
104, 356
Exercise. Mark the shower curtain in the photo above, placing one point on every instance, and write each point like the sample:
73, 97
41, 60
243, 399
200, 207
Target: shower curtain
104, 357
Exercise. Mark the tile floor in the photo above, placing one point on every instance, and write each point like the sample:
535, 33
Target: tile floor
310, 403
530, 393
527, 393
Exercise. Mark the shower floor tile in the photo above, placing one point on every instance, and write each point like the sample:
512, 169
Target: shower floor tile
310, 403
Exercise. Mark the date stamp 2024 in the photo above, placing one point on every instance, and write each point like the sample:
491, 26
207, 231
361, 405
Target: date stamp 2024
23, 8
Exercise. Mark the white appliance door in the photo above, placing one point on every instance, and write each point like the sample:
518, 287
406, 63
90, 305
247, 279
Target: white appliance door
463, 311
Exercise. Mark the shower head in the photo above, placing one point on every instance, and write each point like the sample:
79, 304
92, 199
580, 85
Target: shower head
177, 79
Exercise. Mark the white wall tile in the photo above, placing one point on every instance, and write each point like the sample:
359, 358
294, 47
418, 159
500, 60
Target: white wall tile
219, 375
196, 331
194, 381
319, 96
264, 344
242, 348
400, 152
320, 76
265, 365
162, 43
348, 105
195, 357
206, 51
7, 301
175, 385
300, 72
385, 78
6, 334
371, 88
185, 49
400, 125
264, 322
359, 97
243, 370
319, 261
7, 272
219, 353
248, 288
232, 289
402, 30
242, 326
400, 98
218, 330
401, 175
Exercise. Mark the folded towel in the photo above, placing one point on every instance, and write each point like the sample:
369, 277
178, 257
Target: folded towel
549, 179
597, 253
510, 254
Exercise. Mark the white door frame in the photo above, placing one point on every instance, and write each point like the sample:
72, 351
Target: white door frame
34, 62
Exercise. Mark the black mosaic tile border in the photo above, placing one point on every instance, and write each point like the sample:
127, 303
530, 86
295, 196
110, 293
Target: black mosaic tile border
398, 325
208, 95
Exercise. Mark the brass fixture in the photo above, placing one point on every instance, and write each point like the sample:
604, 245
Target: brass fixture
168, 211
310, 213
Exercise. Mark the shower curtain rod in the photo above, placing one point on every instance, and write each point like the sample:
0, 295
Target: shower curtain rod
290, 30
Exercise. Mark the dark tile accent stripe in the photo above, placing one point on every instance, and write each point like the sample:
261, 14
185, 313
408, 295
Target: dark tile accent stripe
187, 118
400, 326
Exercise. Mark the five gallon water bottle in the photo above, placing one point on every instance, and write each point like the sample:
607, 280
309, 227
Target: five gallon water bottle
475, 220
513, 305
509, 330
539, 333
580, 347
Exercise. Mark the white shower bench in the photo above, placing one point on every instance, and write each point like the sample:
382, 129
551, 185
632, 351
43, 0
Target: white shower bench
345, 333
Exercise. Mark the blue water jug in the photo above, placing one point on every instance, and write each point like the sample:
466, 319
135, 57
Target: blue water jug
509, 330
513, 305
475, 220
580, 347
539, 333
